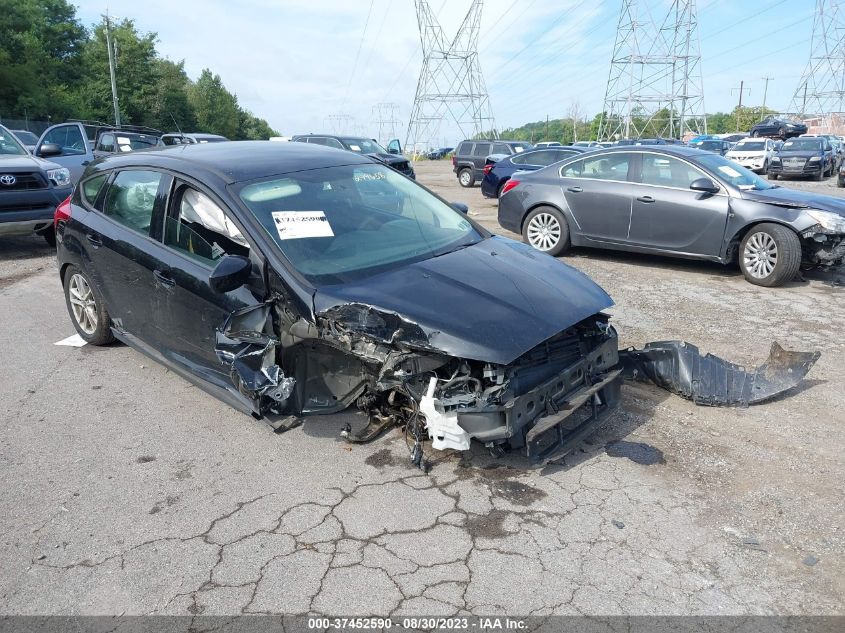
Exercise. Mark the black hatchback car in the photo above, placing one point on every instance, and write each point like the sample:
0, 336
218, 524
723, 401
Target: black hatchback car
361, 145
294, 279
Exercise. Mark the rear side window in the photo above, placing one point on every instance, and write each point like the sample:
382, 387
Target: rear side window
666, 171
131, 199
91, 189
106, 143
481, 150
606, 167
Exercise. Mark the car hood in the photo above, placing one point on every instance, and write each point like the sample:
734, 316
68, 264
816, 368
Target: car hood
745, 152
492, 301
796, 199
24, 163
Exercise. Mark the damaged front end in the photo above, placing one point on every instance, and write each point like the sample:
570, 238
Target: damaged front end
546, 399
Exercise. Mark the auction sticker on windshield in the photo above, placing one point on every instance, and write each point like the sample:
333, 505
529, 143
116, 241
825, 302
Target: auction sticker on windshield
729, 171
294, 225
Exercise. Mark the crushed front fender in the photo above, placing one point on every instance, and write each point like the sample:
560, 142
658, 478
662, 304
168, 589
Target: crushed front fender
708, 380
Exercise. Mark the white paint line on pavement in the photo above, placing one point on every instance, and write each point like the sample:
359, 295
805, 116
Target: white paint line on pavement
72, 341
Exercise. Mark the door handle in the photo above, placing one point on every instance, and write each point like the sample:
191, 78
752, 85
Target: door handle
574, 189
645, 199
164, 278
96, 240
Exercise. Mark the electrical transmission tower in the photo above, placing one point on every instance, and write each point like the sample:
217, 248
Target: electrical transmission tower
821, 91
450, 85
654, 87
385, 115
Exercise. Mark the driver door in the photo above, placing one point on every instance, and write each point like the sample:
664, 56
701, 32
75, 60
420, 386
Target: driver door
76, 149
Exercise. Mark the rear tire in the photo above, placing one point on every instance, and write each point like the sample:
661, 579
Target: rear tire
546, 229
782, 133
466, 178
765, 167
770, 255
86, 308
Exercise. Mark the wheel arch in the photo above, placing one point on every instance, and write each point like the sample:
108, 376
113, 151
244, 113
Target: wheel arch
732, 250
537, 206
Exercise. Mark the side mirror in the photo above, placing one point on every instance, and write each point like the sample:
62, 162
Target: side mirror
460, 206
704, 184
49, 149
230, 273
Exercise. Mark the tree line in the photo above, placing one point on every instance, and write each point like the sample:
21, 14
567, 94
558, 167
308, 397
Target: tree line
568, 130
52, 68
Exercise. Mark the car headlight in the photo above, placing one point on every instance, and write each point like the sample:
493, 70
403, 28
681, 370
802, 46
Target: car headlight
815, 158
59, 177
775, 159
832, 222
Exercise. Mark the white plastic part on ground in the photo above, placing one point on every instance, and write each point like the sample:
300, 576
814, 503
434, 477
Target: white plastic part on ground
72, 341
442, 427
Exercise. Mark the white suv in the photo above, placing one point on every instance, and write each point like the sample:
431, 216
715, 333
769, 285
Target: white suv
753, 153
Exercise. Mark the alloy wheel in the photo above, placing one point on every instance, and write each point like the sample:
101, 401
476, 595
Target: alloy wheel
543, 231
82, 304
760, 255
465, 176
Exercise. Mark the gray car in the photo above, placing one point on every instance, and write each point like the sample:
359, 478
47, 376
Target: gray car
676, 201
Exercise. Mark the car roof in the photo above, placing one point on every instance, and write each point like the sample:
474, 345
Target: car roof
238, 160
674, 150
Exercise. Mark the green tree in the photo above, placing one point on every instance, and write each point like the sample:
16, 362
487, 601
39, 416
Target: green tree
216, 108
39, 44
167, 107
253, 128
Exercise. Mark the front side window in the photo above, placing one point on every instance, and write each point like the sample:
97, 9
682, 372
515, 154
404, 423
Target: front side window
501, 148
341, 224
131, 198
200, 229
606, 167
666, 171
68, 137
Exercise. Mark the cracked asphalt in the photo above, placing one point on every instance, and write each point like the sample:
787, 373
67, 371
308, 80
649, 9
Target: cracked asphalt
125, 490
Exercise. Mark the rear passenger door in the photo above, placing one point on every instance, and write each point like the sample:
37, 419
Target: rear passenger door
597, 190
120, 243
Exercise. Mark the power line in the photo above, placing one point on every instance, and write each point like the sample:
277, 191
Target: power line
358, 53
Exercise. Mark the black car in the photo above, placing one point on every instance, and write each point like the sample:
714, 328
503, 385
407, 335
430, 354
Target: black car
294, 279
717, 146
361, 145
811, 156
188, 138
439, 153
470, 157
779, 127
30, 189
497, 173
680, 202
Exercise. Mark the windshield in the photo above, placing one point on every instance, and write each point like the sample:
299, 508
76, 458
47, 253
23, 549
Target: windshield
710, 145
363, 146
730, 172
26, 137
750, 146
9, 144
802, 145
342, 224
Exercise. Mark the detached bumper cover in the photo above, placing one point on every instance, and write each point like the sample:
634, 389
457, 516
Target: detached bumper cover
709, 380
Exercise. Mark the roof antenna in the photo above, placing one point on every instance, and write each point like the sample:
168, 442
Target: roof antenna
172, 118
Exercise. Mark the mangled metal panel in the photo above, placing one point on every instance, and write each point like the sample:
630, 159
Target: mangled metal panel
708, 380
244, 345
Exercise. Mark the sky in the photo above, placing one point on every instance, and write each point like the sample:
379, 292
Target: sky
309, 66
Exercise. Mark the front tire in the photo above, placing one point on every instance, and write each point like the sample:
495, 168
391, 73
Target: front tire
87, 309
765, 167
546, 229
770, 255
772, 176
466, 178
754, 133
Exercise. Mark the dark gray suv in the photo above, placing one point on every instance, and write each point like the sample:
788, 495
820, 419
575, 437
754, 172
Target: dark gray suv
471, 156
30, 189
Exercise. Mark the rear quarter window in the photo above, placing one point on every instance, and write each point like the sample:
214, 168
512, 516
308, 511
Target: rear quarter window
91, 188
463, 149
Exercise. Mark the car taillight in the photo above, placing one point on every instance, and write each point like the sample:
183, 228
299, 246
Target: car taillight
62, 212
454, 162
487, 169
510, 184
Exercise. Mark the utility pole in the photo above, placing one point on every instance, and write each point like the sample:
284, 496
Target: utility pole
821, 88
111, 70
655, 69
739, 107
450, 84
765, 90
